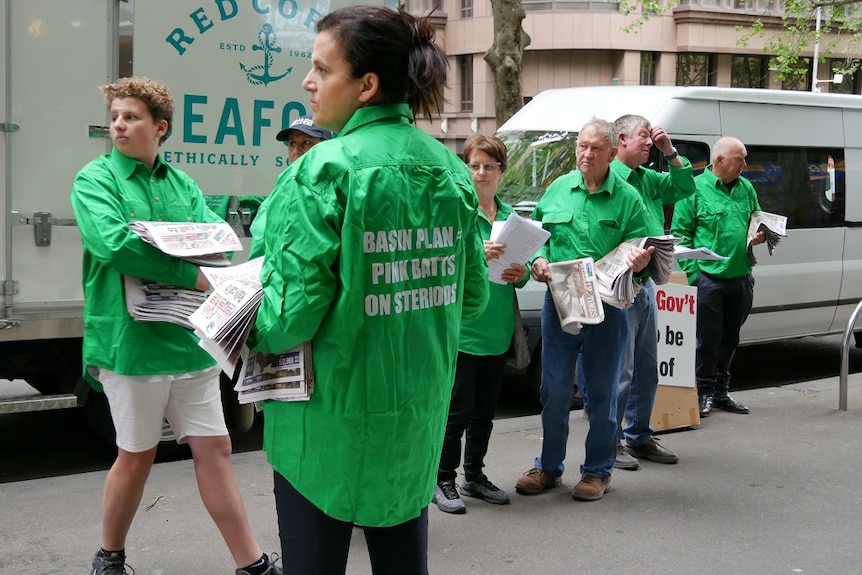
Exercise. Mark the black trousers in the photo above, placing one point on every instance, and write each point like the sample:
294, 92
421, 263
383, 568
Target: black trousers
478, 379
722, 308
312, 543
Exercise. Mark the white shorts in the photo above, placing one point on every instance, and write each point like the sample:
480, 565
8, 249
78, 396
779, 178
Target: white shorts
191, 403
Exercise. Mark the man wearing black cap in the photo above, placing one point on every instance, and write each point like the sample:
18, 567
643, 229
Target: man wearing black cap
301, 135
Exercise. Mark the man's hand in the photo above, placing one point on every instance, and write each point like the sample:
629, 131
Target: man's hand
640, 258
541, 272
493, 250
515, 273
758, 238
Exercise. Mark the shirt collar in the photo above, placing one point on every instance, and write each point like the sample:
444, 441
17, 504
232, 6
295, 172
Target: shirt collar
127, 166
607, 186
717, 183
370, 114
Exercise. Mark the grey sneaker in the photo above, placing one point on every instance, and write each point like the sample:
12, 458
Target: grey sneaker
447, 499
271, 568
483, 489
112, 563
625, 461
653, 452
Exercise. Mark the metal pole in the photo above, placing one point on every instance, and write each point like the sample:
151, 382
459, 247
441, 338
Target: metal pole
814, 86
845, 358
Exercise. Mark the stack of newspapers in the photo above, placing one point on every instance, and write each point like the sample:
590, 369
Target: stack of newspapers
615, 276
198, 243
773, 225
223, 323
575, 291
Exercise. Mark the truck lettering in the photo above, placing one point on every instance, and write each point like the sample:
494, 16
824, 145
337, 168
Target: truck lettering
231, 121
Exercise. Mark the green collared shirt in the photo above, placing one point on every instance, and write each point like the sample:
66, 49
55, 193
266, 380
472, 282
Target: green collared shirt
372, 252
584, 224
658, 189
491, 333
716, 218
107, 194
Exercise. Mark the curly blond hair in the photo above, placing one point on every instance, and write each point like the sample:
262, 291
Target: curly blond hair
155, 95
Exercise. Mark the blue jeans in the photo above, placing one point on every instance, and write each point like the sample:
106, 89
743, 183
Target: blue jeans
639, 380
603, 349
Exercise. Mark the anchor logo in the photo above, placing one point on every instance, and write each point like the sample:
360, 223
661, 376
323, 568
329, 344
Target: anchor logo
258, 75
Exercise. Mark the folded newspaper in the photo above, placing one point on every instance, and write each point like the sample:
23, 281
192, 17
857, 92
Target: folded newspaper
197, 242
223, 323
151, 301
616, 277
773, 225
574, 289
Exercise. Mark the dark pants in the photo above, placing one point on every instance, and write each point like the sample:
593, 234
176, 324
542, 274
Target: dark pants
312, 543
478, 379
722, 308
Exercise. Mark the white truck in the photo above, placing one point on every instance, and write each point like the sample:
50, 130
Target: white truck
235, 69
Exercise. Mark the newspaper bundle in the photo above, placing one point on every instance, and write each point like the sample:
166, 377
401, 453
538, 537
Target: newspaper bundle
574, 289
197, 242
616, 278
286, 376
223, 323
522, 237
224, 320
151, 301
773, 225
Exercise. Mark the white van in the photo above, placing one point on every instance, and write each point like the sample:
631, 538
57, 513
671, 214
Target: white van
813, 282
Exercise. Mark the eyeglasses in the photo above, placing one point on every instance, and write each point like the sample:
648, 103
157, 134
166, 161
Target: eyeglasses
486, 167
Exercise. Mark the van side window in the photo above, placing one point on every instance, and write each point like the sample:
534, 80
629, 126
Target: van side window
805, 184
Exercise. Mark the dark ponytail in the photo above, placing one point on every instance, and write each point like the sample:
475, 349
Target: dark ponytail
398, 48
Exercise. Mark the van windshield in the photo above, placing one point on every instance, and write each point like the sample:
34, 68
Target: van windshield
536, 158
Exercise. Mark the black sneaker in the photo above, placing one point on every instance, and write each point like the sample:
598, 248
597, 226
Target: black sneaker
447, 499
111, 563
271, 567
483, 489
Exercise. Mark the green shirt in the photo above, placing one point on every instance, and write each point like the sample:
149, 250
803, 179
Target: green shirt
491, 333
584, 224
658, 189
372, 252
107, 193
716, 218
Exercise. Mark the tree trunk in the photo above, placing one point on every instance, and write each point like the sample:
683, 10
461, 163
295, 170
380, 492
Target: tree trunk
505, 57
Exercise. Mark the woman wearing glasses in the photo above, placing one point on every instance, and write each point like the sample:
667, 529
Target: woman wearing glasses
483, 348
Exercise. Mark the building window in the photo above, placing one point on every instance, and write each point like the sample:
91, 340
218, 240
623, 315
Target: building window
466, 8
465, 75
749, 72
696, 70
420, 6
648, 62
850, 83
799, 79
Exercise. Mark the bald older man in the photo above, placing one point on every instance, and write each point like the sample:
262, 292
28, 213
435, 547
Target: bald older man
717, 217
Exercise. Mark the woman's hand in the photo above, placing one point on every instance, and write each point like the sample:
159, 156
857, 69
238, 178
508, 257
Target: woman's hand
514, 274
493, 250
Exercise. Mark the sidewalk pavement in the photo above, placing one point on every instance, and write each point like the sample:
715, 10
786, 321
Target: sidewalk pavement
775, 492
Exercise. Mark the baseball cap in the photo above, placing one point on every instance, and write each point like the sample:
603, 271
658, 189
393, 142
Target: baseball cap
305, 125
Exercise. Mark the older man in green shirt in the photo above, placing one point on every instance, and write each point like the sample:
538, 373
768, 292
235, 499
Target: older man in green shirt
588, 213
717, 217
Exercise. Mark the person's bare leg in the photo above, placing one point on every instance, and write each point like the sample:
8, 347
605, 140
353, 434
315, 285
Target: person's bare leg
124, 488
221, 496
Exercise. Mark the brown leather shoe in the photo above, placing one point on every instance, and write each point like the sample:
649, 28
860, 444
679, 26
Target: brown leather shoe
535, 481
590, 487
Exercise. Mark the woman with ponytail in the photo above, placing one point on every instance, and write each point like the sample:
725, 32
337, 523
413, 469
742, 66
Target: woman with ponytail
374, 255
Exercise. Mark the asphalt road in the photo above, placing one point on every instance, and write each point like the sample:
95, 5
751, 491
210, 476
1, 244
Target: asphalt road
57, 443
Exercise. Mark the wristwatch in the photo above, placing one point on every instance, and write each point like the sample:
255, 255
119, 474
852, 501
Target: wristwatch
672, 156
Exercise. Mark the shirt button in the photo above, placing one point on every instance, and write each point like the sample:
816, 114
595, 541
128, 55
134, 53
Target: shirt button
156, 198
132, 215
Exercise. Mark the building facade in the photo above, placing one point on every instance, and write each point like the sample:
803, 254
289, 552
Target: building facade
583, 43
